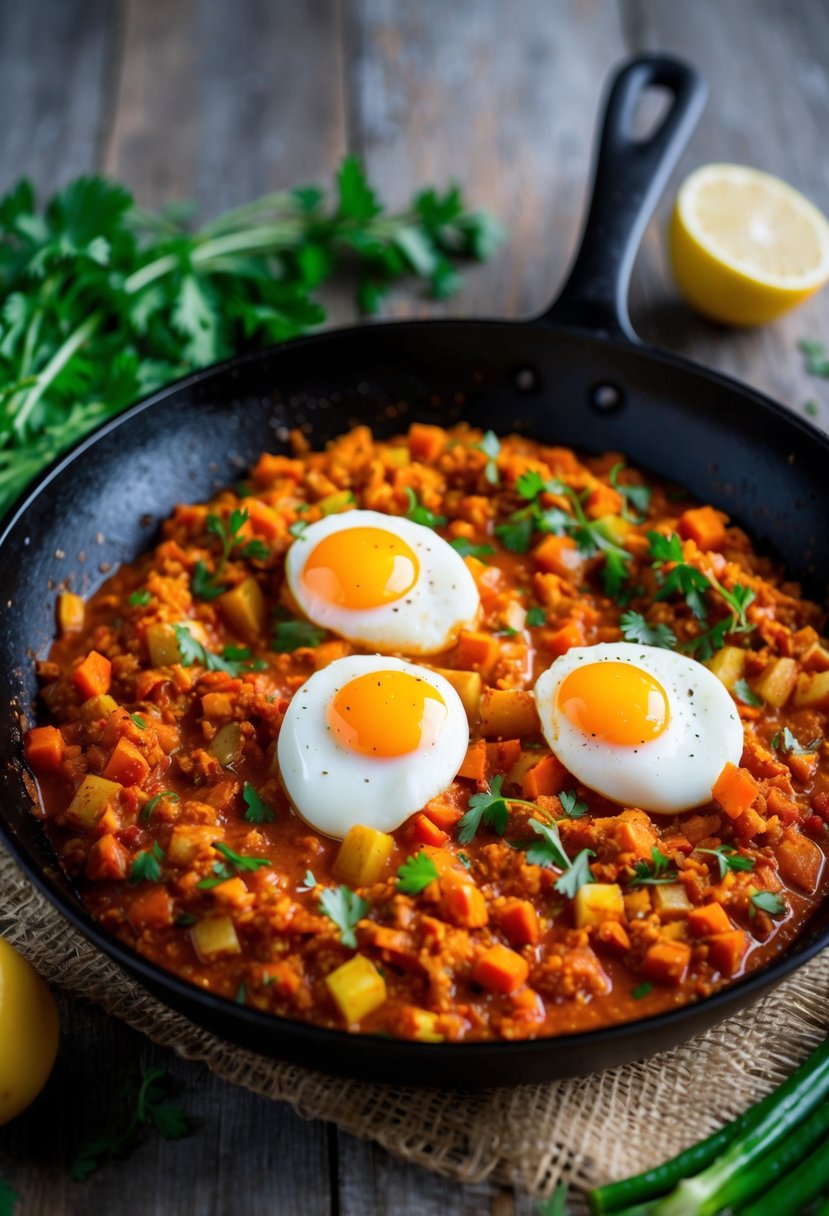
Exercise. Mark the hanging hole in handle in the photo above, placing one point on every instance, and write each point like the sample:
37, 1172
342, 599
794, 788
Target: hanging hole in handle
651, 110
606, 397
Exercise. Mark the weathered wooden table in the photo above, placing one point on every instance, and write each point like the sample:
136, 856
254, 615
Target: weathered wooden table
223, 101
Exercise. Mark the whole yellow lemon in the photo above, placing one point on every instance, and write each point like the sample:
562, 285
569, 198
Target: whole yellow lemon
28, 1033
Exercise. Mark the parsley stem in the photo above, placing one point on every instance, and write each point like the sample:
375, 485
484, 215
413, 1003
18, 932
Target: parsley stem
52, 369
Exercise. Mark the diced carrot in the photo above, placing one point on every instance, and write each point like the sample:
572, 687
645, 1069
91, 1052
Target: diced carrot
126, 764
501, 969
558, 555
549, 776
94, 675
709, 919
561, 640
264, 521
426, 832
426, 442
786, 809
107, 859
502, 756
45, 748
519, 922
461, 902
735, 789
217, 705
269, 467
603, 500
800, 862
748, 825
634, 833
279, 978
613, 937
474, 762
233, 893
442, 814
152, 909
666, 962
477, 651
727, 950
703, 525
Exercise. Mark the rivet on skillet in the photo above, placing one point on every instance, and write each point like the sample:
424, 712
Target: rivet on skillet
527, 380
606, 397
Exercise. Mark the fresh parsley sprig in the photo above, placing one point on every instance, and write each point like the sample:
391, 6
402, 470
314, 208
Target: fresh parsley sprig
548, 851
490, 808
467, 549
207, 585
346, 908
576, 875
234, 660
151, 1109
746, 694
415, 874
234, 863
634, 495
571, 805
653, 873
101, 304
728, 859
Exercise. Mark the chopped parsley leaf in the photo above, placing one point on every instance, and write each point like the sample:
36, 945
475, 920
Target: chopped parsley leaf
289, 636
636, 496
641, 990
415, 874
346, 908
768, 902
256, 811
148, 807
576, 875
139, 721
743, 692
466, 548
728, 859
570, 804
140, 599
548, 851
655, 872
536, 617
786, 741
145, 867
636, 629
490, 445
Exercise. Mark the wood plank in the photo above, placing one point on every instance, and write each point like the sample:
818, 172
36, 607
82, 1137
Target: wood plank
501, 98
227, 102
243, 1148
769, 78
371, 1180
56, 62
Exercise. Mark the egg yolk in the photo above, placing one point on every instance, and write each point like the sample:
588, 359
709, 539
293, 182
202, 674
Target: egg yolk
614, 702
386, 713
361, 568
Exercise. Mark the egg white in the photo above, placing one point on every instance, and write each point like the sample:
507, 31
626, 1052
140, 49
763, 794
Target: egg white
443, 600
666, 775
334, 788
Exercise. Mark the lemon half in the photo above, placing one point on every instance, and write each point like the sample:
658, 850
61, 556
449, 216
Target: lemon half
745, 246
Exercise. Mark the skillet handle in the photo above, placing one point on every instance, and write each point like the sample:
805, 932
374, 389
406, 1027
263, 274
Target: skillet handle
630, 176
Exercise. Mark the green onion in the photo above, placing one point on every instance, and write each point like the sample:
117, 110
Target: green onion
795, 1189
735, 1144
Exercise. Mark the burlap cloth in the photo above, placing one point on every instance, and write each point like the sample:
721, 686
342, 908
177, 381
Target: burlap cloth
585, 1130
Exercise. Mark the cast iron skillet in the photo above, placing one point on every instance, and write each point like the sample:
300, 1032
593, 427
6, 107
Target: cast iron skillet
577, 375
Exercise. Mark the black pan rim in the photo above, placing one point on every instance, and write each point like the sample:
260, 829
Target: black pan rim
773, 973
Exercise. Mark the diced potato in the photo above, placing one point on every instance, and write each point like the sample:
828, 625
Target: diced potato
357, 988
334, 504
508, 714
98, 707
812, 692
598, 901
422, 1024
800, 862
91, 799
816, 658
243, 609
777, 682
677, 930
637, 904
227, 744
363, 855
468, 685
214, 936
728, 665
187, 840
71, 613
163, 643
671, 901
